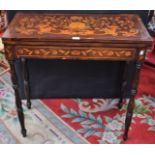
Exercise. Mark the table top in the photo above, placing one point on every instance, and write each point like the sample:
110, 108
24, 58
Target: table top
127, 28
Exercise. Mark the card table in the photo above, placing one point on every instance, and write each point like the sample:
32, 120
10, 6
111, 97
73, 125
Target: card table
77, 37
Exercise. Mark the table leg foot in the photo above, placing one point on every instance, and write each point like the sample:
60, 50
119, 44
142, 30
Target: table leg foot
21, 118
129, 116
23, 131
125, 137
29, 104
120, 104
128, 119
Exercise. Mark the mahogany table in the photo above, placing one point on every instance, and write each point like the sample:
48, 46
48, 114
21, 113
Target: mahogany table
75, 37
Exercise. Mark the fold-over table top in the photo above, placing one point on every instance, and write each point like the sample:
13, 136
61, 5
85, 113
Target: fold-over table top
127, 28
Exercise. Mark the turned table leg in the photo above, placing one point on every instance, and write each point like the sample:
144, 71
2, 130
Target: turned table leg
132, 100
17, 98
26, 82
124, 83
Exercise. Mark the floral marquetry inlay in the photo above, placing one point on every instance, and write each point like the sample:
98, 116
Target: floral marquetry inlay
83, 25
69, 53
9, 52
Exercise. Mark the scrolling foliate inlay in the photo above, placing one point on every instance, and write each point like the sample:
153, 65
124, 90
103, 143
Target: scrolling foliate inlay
68, 53
38, 24
9, 52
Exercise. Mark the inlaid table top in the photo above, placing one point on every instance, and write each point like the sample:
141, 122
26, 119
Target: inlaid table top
102, 28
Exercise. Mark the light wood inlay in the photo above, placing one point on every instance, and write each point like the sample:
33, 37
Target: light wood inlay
76, 53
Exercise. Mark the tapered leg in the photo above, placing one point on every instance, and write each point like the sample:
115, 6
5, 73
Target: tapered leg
123, 86
129, 117
17, 98
132, 100
26, 82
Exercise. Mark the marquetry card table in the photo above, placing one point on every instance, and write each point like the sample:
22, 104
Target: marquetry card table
75, 37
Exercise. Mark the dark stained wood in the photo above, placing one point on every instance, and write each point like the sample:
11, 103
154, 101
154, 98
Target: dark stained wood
132, 99
123, 84
82, 37
17, 98
26, 82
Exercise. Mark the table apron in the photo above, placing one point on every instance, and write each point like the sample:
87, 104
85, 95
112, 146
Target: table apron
79, 53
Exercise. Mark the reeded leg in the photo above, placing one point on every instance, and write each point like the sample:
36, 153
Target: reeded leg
124, 83
17, 98
26, 82
132, 101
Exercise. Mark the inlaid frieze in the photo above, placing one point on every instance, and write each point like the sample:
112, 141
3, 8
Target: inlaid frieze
72, 53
